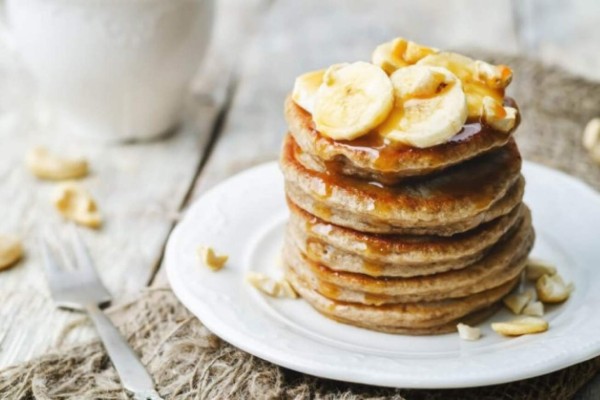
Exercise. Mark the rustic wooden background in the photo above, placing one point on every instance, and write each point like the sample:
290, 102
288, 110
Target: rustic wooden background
235, 121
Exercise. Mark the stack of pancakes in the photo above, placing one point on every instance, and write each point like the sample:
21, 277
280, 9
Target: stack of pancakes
403, 239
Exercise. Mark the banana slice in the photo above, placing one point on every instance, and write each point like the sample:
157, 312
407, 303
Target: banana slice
430, 106
352, 100
494, 76
305, 89
497, 116
479, 79
399, 53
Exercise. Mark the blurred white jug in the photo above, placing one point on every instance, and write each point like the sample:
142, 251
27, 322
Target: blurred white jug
118, 70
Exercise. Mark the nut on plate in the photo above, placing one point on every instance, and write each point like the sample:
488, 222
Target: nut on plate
521, 326
73, 202
46, 165
516, 302
210, 258
11, 251
399, 53
270, 286
552, 289
534, 309
497, 116
287, 289
467, 332
536, 268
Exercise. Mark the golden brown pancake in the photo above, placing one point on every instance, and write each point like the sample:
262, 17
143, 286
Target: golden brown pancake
408, 318
460, 199
503, 263
370, 157
344, 249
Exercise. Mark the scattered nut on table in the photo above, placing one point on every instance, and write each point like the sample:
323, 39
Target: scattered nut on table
467, 332
11, 251
552, 289
270, 286
73, 202
591, 138
536, 268
210, 258
517, 302
46, 165
521, 326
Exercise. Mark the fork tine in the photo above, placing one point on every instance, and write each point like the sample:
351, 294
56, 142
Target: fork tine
54, 272
82, 256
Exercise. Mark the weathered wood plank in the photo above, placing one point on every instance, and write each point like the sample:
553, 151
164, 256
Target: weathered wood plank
139, 189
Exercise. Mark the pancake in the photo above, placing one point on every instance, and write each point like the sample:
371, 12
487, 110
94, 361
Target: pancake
348, 250
409, 318
370, 157
504, 262
460, 199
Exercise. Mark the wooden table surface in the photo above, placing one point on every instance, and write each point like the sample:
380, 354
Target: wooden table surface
235, 121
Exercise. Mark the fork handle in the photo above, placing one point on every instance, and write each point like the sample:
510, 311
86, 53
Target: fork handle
133, 375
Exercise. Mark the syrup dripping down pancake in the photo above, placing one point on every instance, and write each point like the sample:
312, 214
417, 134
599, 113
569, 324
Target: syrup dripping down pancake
460, 199
371, 157
348, 250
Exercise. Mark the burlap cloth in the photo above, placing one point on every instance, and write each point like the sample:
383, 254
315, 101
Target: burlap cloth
188, 362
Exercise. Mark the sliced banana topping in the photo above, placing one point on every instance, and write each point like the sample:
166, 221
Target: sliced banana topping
479, 80
521, 326
494, 76
429, 107
399, 53
426, 100
352, 100
497, 116
305, 89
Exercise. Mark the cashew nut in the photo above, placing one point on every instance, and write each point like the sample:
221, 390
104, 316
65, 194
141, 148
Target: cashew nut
46, 165
210, 258
75, 203
521, 326
11, 251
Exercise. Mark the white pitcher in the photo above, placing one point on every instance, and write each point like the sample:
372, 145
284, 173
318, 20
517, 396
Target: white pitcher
117, 70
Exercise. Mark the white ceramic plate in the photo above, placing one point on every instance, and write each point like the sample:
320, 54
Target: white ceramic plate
245, 216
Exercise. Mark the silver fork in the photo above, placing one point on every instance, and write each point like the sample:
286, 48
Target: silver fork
81, 289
